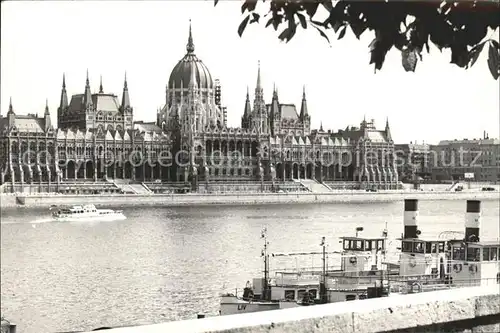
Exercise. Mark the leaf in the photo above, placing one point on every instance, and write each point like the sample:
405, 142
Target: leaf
255, 18
311, 8
285, 34
475, 52
378, 51
336, 26
269, 22
321, 32
409, 59
493, 60
342, 32
243, 25
248, 5
459, 55
215, 2
318, 23
302, 20
357, 28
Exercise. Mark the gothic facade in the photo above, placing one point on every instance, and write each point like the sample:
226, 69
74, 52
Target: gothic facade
97, 138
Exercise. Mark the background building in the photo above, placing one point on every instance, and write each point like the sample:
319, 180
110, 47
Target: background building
452, 159
97, 139
413, 161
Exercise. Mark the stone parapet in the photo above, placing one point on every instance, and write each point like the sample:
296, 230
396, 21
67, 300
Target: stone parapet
45, 201
475, 309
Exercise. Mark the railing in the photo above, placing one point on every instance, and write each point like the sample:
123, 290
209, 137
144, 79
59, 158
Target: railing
402, 286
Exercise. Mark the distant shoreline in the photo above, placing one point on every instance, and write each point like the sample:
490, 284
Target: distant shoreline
172, 200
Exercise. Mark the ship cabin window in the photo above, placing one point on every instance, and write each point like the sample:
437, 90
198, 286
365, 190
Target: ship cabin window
458, 253
429, 246
313, 293
441, 247
486, 254
290, 295
407, 246
353, 245
376, 244
357, 245
433, 248
418, 247
350, 297
473, 254
301, 293
494, 253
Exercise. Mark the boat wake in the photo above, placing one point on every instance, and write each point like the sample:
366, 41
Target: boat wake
34, 222
43, 220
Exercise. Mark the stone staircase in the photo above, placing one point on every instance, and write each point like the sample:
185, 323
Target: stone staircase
313, 186
131, 188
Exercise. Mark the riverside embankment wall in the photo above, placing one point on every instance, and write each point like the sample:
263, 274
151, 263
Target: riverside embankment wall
44, 201
475, 309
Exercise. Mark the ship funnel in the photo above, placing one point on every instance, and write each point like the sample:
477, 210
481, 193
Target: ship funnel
410, 219
472, 220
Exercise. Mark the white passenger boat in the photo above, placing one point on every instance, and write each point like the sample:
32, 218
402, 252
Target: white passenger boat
86, 213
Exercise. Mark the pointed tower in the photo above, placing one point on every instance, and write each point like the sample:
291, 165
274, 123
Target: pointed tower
190, 43
125, 108
11, 116
63, 104
304, 114
125, 96
274, 113
101, 91
259, 114
388, 130
247, 113
46, 116
87, 97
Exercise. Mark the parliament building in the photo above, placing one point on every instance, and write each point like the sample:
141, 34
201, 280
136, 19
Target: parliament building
97, 139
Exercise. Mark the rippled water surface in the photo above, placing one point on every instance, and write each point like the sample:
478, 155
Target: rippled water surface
165, 264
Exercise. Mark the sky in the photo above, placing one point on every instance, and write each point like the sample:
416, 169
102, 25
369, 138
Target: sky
42, 40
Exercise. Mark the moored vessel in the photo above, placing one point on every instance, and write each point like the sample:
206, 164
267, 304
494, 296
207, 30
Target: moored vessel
423, 265
85, 213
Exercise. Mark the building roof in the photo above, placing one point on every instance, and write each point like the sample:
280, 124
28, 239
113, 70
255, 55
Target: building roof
472, 141
101, 102
190, 68
289, 111
106, 102
24, 123
147, 127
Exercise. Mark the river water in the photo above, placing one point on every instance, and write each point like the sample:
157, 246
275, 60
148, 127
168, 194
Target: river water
165, 264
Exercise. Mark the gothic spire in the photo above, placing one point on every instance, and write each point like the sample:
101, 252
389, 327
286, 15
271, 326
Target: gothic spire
87, 99
321, 127
64, 97
47, 107
125, 96
190, 44
303, 108
275, 92
388, 129
100, 86
248, 108
258, 87
11, 109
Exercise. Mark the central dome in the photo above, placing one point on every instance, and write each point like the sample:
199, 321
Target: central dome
181, 74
